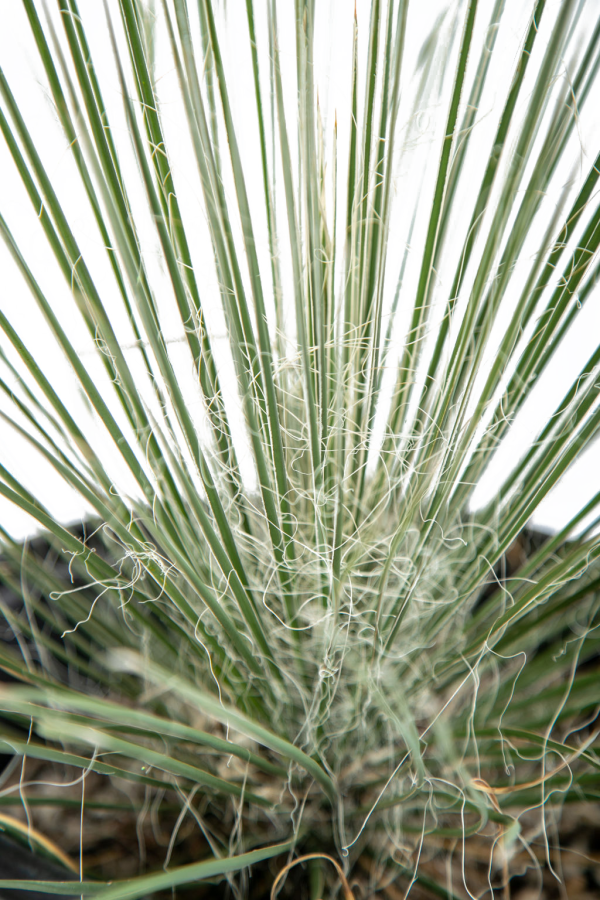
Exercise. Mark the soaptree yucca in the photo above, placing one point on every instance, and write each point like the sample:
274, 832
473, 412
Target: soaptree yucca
305, 266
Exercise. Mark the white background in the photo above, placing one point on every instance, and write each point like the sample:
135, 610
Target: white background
25, 75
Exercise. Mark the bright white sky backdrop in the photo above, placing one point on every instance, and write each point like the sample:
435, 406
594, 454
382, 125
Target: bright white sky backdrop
24, 72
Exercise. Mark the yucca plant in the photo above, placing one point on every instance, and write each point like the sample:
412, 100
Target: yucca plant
287, 620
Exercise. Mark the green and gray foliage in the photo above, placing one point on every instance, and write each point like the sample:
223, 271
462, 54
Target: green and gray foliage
291, 609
